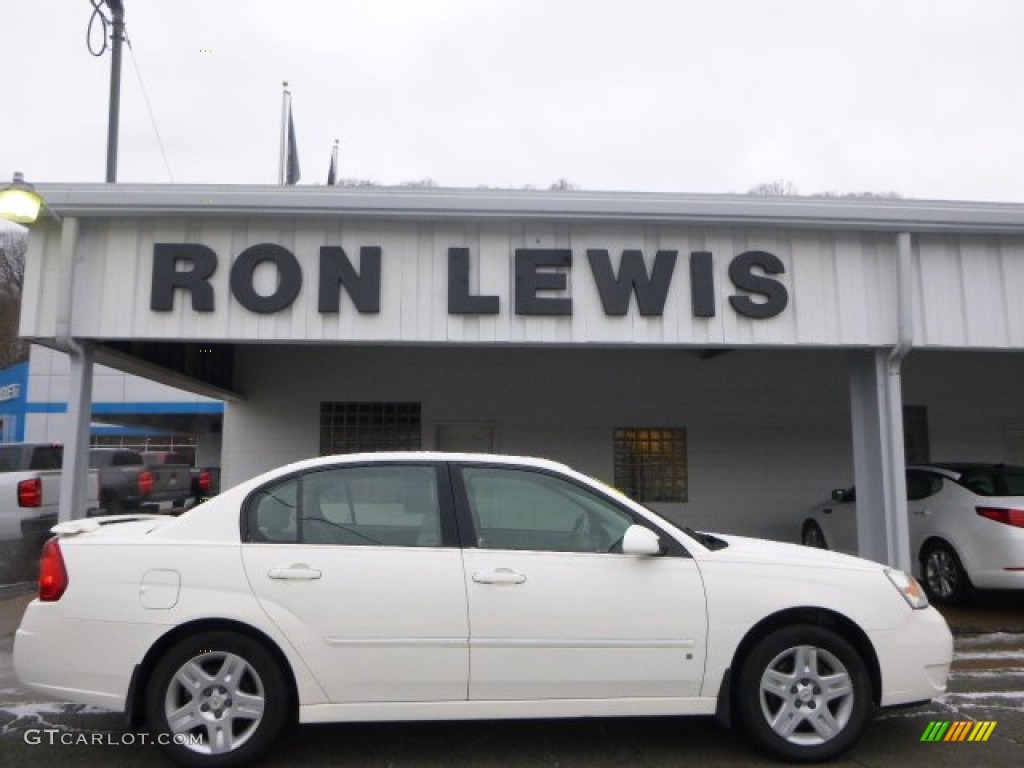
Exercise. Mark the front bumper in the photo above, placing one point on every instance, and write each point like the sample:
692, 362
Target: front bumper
914, 658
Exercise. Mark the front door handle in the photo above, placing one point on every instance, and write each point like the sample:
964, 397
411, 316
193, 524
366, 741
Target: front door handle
499, 576
294, 573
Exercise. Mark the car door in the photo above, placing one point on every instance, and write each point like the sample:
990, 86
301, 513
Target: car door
554, 611
928, 505
359, 566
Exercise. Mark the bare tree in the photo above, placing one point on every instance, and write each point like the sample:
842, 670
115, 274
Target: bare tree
779, 187
13, 244
889, 195
424, 183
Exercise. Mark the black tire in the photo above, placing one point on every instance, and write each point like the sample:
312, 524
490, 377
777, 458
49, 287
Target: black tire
813, 536
804, 694
943, 574
202, 677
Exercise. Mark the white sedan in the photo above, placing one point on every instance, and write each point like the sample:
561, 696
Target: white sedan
449, 586
966, 526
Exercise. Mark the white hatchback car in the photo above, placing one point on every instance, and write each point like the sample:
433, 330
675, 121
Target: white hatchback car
450, 586
966, 527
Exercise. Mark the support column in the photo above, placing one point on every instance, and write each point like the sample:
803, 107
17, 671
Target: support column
876, 410
75, 475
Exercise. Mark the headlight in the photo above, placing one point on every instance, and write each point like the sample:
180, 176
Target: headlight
909, 588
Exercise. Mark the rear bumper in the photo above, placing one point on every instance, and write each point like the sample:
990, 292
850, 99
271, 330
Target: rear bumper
96, 671
991, 553
914, 658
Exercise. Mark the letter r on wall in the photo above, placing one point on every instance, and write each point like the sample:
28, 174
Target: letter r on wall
167, 278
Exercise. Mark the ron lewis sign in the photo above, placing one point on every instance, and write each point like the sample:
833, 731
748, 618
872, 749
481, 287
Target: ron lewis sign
539, 283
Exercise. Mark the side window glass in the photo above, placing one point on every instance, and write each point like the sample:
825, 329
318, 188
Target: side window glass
394, 506
1013, 482
921, 485
524, 510
981, 483
272, 513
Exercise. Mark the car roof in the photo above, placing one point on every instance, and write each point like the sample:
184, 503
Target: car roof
962, 467
418, 457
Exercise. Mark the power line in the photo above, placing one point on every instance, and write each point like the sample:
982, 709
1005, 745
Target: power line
149, 108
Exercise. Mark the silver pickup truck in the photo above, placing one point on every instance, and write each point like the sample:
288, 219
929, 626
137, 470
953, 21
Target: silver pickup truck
29, 494
129, 483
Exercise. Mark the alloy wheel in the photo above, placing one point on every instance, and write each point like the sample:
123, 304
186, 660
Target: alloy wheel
806, 695
813, 537
942, 573
216, 699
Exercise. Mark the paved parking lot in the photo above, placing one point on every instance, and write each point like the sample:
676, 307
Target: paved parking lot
987, 684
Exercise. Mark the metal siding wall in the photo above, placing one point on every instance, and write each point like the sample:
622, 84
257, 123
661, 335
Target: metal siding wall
42, 276
841, 285
967, 289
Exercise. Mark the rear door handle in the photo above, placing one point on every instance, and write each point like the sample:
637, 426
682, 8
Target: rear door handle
923, 512
499, 576
294, 573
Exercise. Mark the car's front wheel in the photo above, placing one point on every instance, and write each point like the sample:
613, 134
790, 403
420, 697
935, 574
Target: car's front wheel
216, 699
804, 694
944, 574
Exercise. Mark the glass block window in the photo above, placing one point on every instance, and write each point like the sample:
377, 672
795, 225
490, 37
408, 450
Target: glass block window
361, 427
650, 463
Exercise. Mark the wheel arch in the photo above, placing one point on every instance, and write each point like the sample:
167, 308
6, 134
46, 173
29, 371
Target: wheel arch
936, 540
135, 702
814, 616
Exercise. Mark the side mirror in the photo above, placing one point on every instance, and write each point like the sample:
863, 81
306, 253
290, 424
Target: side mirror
641, 541
840, 495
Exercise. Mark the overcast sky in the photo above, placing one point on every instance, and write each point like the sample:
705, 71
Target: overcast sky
921, 97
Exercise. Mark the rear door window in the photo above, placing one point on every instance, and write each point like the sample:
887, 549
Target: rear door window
921, 484
387, 505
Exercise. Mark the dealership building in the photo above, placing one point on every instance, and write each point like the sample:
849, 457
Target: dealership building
728, 360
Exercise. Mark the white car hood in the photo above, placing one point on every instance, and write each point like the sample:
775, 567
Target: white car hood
742, 549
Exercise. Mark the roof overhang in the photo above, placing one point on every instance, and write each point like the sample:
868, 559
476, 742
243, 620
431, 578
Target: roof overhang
880, 214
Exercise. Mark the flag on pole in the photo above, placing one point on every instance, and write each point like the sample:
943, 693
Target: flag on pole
288, 167
294, 174
332, 173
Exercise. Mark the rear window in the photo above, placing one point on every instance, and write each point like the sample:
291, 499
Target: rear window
10, 458
20, 458
994, 481
162, 457
105, 458
47, 457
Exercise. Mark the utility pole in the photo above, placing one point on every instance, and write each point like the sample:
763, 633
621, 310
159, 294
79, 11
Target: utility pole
117, 11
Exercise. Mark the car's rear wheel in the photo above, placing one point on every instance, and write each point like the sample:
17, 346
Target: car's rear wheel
812, 536
804, 694
944, 575
216, 699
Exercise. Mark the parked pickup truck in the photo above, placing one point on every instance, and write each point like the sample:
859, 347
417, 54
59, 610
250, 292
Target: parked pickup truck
29, 495
200, 480
127, 483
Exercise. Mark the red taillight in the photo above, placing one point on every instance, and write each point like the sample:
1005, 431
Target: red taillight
145, 483
1014, 517
205, 480
30, 492
53, 576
